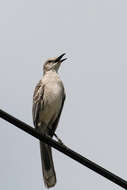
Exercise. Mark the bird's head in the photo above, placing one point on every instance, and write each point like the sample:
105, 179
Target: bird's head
53, 63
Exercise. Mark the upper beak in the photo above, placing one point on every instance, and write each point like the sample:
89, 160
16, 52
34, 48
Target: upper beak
59, 59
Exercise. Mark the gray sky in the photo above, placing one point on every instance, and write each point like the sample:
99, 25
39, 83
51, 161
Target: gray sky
93, 33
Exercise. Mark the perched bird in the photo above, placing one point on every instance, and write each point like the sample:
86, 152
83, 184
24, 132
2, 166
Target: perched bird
48, 100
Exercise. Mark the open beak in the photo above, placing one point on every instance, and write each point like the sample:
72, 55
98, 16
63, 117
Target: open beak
59, 59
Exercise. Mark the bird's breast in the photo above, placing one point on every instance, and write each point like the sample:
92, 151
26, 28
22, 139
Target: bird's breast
53, 93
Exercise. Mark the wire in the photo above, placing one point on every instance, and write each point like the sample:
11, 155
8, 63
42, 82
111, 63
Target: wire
67, 151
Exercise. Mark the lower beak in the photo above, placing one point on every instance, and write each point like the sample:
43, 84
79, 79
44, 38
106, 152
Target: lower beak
63, 60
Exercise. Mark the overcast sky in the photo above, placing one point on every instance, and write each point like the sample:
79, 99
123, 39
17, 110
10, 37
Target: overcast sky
93, 33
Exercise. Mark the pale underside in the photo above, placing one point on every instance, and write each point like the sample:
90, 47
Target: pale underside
52, 101
51, 94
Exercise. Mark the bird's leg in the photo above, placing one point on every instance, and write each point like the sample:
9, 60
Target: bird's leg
51, 133
59, 140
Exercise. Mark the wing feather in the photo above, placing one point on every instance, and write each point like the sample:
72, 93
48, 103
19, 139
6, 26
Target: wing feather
37, 102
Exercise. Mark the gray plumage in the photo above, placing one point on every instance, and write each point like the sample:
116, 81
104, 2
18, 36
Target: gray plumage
48, 100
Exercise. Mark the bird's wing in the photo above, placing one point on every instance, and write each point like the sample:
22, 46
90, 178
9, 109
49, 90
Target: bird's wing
55, 123
37, 101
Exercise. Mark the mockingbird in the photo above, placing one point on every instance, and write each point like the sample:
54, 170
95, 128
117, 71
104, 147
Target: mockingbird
48, 100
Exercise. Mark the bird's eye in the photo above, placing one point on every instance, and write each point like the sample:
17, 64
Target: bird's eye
49, 61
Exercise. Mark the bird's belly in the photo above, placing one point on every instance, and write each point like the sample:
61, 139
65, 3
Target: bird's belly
52, 103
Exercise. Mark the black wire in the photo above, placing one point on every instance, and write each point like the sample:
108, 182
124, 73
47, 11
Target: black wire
82, 160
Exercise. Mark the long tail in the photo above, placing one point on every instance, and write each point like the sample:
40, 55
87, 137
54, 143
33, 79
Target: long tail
47, 165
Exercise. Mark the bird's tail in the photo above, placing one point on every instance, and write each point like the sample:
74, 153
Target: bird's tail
47, 165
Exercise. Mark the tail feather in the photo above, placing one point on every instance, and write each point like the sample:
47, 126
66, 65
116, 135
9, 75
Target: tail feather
47, 165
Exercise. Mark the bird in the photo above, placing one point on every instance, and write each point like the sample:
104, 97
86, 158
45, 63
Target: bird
48, 100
